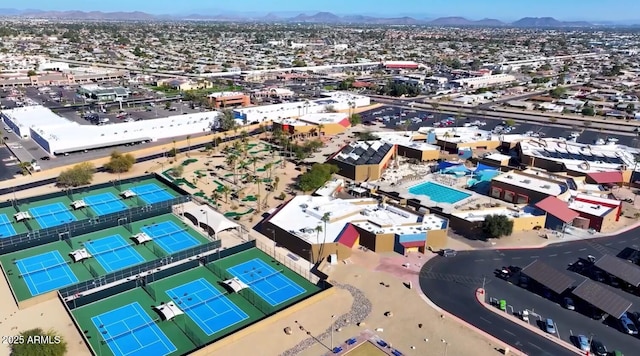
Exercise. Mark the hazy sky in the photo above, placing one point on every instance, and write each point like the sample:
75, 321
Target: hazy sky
473, 9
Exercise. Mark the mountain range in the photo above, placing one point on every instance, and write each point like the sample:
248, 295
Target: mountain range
319, 18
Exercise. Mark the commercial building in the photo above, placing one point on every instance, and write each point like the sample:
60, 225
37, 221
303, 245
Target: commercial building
332, 101
363, 160
57, 135
327, 124
273, 92
318, 227
484, 81
455, 139
100, 93
56, 73
228, 99
581, 211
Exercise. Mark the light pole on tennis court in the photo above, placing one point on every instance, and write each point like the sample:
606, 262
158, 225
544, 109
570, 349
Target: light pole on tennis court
206, 216
332, 317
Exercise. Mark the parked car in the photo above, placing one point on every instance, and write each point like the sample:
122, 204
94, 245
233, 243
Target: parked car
583, 343
447, 252
627, 326
568, 303
550, 326
598, 348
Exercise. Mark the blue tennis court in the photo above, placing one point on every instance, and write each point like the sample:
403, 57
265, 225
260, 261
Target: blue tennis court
268, 283
113, 253
45, 272
52, 215
105, 203
6, 229
206, 306
170, 236
129, 330
151, 193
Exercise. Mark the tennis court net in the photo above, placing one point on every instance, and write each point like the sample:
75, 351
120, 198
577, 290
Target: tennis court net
102, 202
64, 213
103, 252
262, 278
45, 269
128, 332
150, 192
202, 302
172, 233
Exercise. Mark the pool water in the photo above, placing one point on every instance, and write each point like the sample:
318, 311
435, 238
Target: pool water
439, 193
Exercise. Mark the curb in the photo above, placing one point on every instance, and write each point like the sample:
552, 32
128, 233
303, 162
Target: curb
479, 331
480, 298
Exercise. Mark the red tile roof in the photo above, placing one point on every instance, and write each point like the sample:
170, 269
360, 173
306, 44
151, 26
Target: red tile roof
557, 208
348, 236
413, 244
606, 177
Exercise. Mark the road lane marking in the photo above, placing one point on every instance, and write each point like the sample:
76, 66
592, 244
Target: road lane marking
480, 260
509, 332
534, 345
582, 249
554, 255
622, 242
534, 256
567, 252
497, 259
516, 258
485, 320
608, 244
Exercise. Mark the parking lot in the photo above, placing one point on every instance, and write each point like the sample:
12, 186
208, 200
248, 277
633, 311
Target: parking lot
582, 318
398, 118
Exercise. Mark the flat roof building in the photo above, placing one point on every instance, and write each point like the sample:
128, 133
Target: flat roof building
314, 124
527, 187
57, 135
229, 99
316, 227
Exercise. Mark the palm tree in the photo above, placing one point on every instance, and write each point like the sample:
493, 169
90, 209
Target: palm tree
320, 127
215, 196
435, 107
188, 144
276, 181
268, 168
325, 218
257, 180
318, 230
225, 190
231, 161
25, 167
175, 152
253, 161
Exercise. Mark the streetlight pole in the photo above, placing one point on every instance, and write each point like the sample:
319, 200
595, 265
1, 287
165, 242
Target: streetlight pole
446, 346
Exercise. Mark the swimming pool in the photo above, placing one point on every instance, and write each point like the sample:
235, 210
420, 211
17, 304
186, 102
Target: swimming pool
439, 193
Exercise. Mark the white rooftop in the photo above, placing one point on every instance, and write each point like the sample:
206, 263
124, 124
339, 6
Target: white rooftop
530, 183
481, 214
303, 214
460, 134
497, 157
330, 187
225, 94
405, 139
313, 119
588, 208
581, 157
36, 116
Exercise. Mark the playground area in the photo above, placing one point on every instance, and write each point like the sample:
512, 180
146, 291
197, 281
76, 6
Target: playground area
240, 179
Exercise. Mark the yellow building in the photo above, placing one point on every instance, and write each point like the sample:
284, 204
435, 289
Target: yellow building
325, 124
363, 160
317, 227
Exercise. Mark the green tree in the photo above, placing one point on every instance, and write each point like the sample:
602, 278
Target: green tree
25, 167
55, 345
80, 174
317, 176
588, 111
355, 119
32, 73
497, 226
177, 171
167, 105
558, 93
228, 122
510, 122
120, 163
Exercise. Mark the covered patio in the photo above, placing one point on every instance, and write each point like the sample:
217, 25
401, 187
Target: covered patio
210, 220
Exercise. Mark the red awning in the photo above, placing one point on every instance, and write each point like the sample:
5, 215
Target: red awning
606, 177
411, 244
557, 208
348, 236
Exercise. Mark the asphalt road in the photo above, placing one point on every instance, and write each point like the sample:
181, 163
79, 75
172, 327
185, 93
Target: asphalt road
441, 278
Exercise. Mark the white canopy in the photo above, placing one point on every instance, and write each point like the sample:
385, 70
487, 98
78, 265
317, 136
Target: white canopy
141, 238
235, 284
128, 194
205, 215
78, 204
79, 255
23, 215
168, 310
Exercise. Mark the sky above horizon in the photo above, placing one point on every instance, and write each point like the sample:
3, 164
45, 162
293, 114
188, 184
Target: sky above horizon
613, 10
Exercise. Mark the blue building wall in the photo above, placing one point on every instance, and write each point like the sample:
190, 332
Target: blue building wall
41, 141
553, 223
411, 237
12, 125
